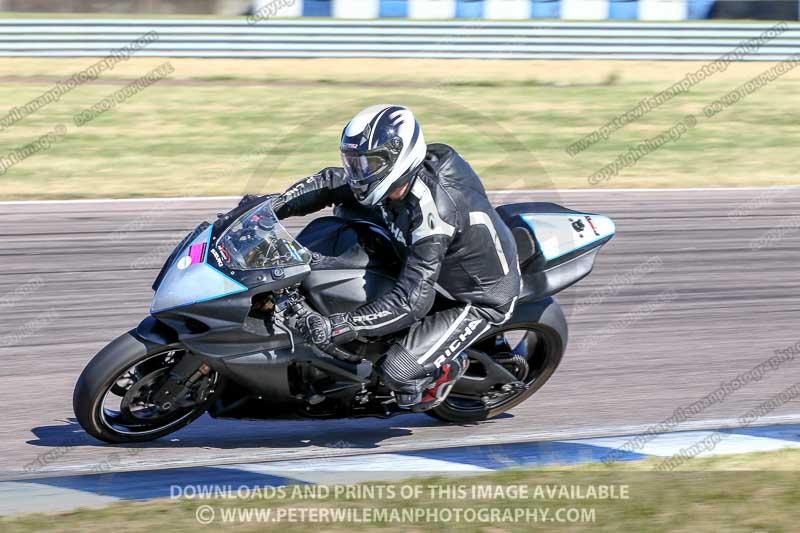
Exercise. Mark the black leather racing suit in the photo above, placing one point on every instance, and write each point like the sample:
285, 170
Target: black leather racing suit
454, 242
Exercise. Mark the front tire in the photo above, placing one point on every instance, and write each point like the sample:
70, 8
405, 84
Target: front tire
543, 340
125, 368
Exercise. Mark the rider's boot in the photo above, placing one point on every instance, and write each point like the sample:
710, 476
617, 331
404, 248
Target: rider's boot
436, 392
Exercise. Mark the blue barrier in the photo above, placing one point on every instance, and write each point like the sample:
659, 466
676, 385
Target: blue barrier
623, 9
393, 37
316, 8
548, 9
699, 9
469, 9
656, 10
393, 9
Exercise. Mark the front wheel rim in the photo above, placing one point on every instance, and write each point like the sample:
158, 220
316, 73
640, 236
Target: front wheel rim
124, 407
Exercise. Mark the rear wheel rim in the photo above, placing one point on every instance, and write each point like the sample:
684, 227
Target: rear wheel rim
531, 343
125, 407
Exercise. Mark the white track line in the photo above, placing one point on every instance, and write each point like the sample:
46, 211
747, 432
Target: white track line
669, 444
503, 191
476, 439
351, 470
119, 200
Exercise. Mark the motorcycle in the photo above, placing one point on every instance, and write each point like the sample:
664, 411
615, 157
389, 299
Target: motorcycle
222, 334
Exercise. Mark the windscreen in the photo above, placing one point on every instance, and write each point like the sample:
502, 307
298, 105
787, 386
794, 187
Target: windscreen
257, 240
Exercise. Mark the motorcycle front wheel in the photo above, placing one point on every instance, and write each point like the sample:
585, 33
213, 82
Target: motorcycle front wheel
113, 398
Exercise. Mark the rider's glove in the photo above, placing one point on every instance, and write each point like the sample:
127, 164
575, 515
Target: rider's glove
324, 331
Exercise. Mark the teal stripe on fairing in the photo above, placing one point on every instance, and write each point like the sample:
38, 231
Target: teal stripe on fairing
242, 288
169, 280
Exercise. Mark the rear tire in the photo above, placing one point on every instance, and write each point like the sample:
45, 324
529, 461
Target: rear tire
550, 328
103, 373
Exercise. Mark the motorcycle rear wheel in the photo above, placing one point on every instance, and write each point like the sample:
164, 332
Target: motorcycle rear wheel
542, 344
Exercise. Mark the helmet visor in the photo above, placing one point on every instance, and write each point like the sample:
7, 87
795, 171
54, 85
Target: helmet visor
363, 167
364, 171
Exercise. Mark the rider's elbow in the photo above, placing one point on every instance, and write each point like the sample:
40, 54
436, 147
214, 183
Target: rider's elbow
420, 301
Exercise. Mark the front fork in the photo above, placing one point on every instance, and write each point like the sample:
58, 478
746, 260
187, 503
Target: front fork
176, 391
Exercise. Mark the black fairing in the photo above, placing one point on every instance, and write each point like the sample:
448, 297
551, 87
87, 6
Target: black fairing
354, 263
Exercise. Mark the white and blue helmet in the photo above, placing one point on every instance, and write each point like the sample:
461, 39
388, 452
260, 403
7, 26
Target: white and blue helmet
382, 149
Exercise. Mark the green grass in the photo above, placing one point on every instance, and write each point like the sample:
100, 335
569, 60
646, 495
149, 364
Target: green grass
511, 119
41, 15
751, 492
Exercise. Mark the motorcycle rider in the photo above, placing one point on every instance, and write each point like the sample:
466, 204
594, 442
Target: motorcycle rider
436, 209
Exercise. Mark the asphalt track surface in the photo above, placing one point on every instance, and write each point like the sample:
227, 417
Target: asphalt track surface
76, 274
